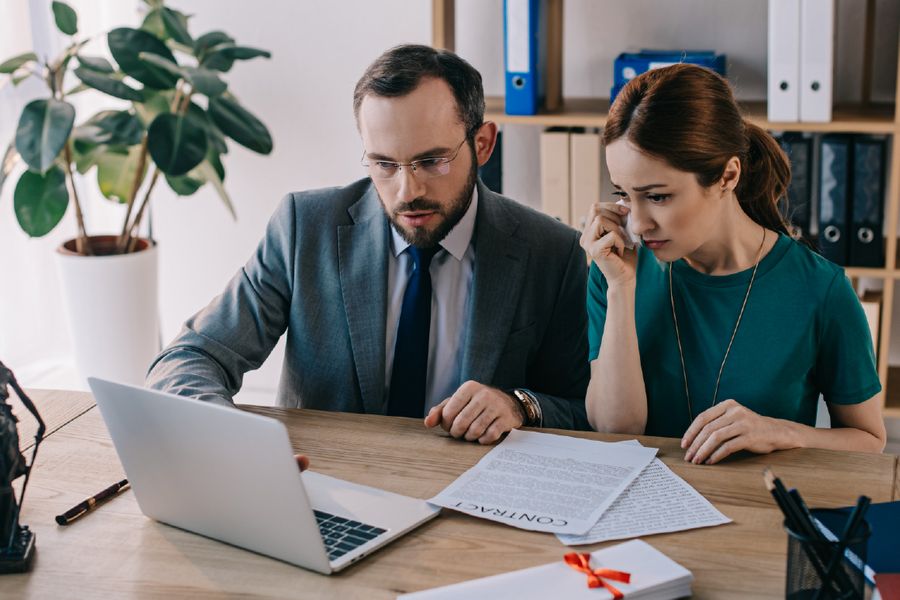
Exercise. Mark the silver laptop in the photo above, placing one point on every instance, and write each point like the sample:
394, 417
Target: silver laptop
231, 475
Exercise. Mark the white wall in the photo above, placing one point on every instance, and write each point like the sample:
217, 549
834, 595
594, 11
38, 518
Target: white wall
303, 94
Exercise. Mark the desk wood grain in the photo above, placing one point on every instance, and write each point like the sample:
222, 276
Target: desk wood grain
55, 407
116, 552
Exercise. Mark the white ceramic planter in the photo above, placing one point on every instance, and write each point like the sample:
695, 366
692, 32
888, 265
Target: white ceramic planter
112, 308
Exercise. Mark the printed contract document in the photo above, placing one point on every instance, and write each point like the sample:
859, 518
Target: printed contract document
546, 482
658, 501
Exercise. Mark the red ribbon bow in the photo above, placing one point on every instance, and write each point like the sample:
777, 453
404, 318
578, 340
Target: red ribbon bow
582, 562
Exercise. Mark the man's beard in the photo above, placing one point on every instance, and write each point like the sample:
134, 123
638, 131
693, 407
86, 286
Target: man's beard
422, 237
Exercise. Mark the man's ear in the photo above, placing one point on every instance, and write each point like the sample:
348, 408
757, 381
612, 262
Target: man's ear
731, 176
485, 140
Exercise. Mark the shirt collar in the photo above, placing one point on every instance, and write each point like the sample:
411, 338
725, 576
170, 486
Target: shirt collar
456, 242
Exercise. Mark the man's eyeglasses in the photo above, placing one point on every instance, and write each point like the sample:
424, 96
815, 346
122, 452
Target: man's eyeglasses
433, 166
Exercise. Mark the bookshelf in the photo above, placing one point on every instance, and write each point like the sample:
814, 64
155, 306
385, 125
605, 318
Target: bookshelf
859, 118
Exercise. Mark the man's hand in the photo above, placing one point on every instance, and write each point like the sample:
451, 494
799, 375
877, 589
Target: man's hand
477, 412
728, 427
302, 461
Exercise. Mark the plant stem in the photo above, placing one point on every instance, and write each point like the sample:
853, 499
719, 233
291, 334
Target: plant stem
131, 236
82, 243
138, 180
128, 240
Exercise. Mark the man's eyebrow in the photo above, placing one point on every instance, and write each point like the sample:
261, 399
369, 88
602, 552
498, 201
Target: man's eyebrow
430, 153
642, 188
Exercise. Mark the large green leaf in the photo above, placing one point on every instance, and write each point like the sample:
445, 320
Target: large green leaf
111, 127
153, 24
16, 62
10, 160
66, 19
206, 50
163, 63
108, 85
210, 174
217, 60
126, 44
205, 81
116, 172
43, 129
222, 56
175, 24
40, 201
176, 143
206, 41
185, 185
244, 52
86, 154
239, 124
156, 102
215, 160
95, 63
213, 134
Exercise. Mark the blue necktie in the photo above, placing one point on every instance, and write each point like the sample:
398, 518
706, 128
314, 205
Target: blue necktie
408, 375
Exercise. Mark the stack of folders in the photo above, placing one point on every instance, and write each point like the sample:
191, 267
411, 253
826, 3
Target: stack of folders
571, 173
851, 191
652, 575
801, 57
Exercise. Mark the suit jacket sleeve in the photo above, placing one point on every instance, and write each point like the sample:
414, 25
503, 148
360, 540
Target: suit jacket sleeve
238, 329
560, 375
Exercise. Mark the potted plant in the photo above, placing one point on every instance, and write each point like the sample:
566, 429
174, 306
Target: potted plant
172, 118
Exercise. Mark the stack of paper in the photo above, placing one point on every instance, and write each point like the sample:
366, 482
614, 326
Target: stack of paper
653, 576
545, 482
658, 501
584, 491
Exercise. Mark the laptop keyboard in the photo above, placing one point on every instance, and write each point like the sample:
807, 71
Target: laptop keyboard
343, 535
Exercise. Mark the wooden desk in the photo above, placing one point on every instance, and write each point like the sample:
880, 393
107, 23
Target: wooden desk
55, 407
116, 552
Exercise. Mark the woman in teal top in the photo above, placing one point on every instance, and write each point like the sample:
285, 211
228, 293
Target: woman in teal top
718, 327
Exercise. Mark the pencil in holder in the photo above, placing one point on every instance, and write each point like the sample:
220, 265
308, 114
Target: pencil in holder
825, 569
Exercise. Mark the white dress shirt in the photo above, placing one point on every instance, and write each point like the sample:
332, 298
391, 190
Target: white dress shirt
451, 272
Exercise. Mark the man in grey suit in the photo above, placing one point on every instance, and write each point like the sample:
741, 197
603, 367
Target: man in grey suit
415, 291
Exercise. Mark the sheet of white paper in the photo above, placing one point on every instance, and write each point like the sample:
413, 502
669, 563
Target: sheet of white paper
658, 501
653, 574
546, 482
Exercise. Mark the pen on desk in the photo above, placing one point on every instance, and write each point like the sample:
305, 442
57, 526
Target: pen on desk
91, 503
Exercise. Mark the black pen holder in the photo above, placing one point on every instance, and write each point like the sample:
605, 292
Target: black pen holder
826, 570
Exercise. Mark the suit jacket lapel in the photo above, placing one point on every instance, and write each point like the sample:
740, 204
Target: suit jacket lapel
362, 257
500, 266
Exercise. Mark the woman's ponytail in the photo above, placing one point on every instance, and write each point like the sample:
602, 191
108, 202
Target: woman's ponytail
765, 176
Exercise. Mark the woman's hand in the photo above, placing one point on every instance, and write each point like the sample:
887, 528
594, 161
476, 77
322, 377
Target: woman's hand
604, 240
729, 427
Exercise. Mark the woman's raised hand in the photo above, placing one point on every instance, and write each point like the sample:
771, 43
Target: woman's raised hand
606, 242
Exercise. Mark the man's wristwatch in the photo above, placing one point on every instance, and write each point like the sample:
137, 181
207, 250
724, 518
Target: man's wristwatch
530, 407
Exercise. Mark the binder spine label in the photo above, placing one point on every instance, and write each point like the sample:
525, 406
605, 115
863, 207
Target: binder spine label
517, 28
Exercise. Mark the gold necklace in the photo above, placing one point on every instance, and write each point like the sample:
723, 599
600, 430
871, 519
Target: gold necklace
687, 392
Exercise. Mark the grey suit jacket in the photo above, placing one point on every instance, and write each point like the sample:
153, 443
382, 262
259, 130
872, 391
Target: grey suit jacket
320, 274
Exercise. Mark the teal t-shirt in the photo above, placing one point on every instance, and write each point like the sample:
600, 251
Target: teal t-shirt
803, 333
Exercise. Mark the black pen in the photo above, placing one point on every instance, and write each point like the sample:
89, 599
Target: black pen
91, 503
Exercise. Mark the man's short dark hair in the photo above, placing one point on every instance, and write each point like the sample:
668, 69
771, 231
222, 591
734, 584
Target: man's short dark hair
399, 71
